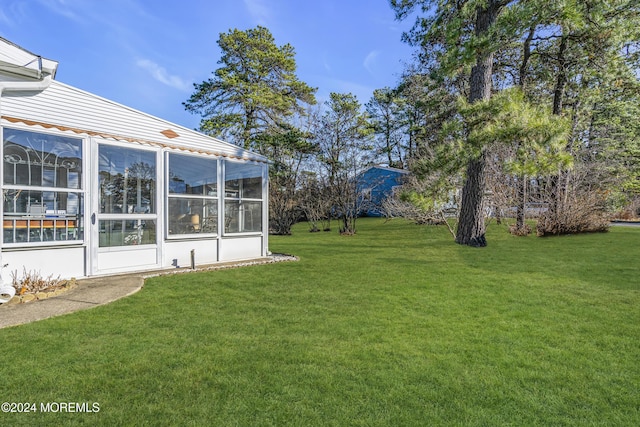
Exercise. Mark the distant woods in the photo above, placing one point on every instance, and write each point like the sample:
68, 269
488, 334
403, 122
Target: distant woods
545, 122
508, 110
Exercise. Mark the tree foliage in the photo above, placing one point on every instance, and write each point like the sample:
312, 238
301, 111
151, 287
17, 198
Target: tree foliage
343, 138
255, 100
575, 60
288, 147
459, 35
385, 115
255, 89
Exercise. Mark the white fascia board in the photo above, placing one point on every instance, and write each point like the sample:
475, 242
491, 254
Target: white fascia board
17, 60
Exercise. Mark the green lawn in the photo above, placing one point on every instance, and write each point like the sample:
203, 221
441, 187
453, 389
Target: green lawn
394, 326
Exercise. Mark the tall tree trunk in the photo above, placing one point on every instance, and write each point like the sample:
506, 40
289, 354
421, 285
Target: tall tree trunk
389, 148
526, 55
522, 79
554, 194
522, 204
561, 78
471, 226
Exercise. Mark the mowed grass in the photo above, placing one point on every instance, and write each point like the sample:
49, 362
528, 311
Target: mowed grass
395, 326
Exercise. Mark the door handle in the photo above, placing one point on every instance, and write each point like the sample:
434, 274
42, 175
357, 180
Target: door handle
93, 219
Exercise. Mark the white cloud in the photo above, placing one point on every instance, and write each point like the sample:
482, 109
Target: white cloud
370, 60
13, 13
327, 85
258, 11
64, 8
4, 19
160, 74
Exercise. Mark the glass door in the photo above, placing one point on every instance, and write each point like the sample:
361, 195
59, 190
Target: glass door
125, 214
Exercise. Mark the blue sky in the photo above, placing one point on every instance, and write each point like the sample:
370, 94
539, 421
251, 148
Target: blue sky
146, 54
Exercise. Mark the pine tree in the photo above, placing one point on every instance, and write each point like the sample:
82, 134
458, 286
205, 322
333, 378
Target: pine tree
384, 111
462, 34
255, 88
577, 59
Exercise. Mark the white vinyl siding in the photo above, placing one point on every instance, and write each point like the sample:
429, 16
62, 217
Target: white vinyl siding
59, 105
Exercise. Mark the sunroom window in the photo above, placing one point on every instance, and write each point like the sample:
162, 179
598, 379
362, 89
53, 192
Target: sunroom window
127, 196
192, 195
242, 198
42, 187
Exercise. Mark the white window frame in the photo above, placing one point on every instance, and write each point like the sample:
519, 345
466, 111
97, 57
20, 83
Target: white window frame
240, 199
169, 195
81, 224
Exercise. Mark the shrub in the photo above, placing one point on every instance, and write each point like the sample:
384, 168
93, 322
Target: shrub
33, 282
583, 212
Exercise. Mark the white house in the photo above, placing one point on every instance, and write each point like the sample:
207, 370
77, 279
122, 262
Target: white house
92, 187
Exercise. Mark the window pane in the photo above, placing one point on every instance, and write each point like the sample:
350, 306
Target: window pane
242, 217
193, 175
21, 229
232, 188
189, 216
251, 216
231, 216
40, 203
41, 216
41, 160
252, 188
243, 180
127, 232
127, 180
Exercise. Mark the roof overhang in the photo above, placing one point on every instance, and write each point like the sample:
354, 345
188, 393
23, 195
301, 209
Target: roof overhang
20, 62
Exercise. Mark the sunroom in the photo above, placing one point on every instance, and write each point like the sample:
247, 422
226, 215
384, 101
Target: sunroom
92, 187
